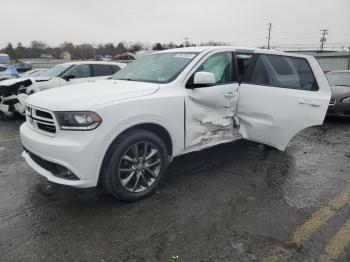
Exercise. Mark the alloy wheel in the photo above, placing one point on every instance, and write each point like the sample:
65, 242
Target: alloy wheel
139, 167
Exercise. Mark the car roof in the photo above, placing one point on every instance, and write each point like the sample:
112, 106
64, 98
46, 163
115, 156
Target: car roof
200, 49
339, 71
89, 63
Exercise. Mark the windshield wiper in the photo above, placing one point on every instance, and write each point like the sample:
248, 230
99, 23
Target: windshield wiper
341, 85
126, 79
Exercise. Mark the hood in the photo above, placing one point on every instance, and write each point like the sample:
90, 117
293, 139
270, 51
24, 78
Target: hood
86, 95
10, 82
340, 91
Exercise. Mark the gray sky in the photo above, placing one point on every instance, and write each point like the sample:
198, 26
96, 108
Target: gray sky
243, 23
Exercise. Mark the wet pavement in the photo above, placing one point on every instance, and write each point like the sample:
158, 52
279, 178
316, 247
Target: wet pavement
235, 202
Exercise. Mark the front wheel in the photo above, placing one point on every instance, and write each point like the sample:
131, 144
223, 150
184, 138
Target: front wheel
135, 165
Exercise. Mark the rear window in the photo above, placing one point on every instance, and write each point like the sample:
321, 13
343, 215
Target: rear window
284, 72
3, 68
339, 78
102, 70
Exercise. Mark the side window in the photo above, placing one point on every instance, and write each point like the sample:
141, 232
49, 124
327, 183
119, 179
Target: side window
260, 73
221, 66
280, 64
115, 68
283, 72
102, 70
80, 71
307, 79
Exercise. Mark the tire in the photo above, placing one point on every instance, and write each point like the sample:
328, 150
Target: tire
135, 165
6, 117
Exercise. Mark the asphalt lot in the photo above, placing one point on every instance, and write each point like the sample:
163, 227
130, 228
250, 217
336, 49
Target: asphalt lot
235, 202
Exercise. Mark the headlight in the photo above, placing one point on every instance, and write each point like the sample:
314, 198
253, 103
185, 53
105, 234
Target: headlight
346, 100
78, 121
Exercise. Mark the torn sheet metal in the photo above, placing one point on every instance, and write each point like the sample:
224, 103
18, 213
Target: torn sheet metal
210, 116
13, 94
212, 129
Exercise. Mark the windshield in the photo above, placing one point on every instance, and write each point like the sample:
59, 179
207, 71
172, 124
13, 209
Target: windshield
57, 70
339, 79
156, 68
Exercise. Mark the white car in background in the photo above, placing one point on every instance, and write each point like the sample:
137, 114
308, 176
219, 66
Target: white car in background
122, 133
34, 72
14, 92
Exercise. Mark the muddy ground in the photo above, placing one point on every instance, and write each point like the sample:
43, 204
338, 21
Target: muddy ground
235, 202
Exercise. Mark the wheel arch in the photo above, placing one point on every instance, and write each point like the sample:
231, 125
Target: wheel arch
156, 128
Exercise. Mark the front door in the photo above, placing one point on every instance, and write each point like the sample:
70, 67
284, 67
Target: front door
210, 110
280, 96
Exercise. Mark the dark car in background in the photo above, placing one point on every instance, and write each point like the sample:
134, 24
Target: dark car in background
23, 67
339, 104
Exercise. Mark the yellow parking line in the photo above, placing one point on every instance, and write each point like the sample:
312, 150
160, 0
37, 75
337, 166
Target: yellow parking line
317, 219
321, 216
337, 244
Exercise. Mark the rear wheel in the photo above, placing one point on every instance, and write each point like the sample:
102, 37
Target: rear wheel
135, 165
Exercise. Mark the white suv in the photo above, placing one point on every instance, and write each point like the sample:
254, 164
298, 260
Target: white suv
14, 92
122, 133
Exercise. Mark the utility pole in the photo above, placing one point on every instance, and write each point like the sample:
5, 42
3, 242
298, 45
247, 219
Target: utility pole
269, 36
93, 50
323, 38
130, 44
349, 59
186, 41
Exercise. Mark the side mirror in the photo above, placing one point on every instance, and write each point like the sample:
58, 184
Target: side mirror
68, 77
202, 79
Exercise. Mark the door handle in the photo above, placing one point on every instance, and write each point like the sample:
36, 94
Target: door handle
309, 102
229, 94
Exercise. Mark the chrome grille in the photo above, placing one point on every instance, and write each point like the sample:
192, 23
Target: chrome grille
41, 120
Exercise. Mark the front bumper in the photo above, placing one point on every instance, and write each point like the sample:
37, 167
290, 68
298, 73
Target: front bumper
78, 152
339, 109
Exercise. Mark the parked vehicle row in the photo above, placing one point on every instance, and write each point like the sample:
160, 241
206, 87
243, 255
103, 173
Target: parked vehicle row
14, 92
8, 72
34, 72
23, 67
121, 133
340, 101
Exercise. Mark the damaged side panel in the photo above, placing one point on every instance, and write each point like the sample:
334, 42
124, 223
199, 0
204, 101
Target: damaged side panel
210, 117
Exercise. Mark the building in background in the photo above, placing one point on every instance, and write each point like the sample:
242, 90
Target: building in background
4, 59
333, 60
65, 55
330, 60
